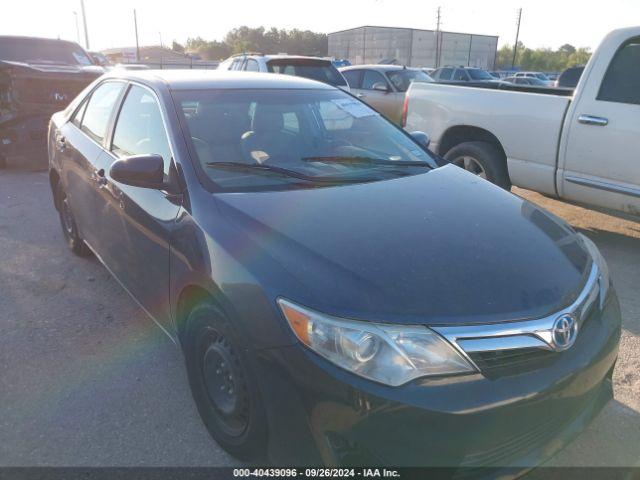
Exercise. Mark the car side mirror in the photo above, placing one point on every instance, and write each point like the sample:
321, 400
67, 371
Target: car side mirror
145, 171
422, 138
380, 87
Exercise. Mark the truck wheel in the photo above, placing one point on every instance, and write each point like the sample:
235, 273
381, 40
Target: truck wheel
482, 159
223, 385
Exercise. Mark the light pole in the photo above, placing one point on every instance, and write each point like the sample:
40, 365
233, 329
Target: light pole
84, 21
75, 16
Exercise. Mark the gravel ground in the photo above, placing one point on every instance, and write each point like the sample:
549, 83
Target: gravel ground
87, 380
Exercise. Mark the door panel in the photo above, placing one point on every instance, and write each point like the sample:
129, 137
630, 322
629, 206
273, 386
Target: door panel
138, 221
602, 151
82, 140
387, 103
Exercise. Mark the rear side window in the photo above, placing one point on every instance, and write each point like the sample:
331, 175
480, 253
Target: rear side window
621, 83
445, 74
139, 128
237, 64
353, 77
77, 117
252, 66
320, 70
99, 108
460, 75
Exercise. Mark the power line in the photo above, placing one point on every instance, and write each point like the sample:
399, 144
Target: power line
515, 46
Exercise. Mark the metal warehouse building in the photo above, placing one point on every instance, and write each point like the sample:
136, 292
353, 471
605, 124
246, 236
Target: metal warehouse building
415, 48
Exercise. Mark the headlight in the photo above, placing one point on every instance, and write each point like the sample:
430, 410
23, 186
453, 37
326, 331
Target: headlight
604, 279
389, 354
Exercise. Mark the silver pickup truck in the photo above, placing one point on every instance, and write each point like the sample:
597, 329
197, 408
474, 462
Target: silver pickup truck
582, 147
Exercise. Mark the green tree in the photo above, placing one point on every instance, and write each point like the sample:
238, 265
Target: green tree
542, 59
176, 47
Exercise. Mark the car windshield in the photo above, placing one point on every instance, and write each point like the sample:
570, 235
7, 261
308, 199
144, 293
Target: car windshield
272, 139
32, 50
321, 70
478, 74
402, 79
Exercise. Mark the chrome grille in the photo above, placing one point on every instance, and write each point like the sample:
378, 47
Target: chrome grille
513, 361
515, 347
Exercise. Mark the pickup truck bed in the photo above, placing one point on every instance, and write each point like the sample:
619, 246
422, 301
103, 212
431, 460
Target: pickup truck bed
583, 147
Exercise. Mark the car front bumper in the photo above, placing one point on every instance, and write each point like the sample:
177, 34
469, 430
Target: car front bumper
321, 414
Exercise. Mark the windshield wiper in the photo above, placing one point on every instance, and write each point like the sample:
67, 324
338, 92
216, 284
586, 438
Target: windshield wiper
255, 167
366, 161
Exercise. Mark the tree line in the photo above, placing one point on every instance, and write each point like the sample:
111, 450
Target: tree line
306, 42
542, 59
246, 39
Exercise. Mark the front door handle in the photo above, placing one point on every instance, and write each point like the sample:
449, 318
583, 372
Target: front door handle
593, 120
361, 95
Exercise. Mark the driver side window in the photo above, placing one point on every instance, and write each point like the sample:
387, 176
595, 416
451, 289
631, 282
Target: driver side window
139, 128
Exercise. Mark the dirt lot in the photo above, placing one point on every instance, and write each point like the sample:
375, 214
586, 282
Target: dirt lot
87, 380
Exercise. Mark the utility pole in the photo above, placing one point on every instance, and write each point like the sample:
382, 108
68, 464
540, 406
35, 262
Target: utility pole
515, 46
84, 22
75, 16
438, 37
135, 26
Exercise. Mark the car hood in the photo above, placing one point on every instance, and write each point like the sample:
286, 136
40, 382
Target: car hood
440, 248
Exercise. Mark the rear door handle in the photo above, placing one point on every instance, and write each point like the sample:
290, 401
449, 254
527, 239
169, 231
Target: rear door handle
593, 120
100, 177
61, 142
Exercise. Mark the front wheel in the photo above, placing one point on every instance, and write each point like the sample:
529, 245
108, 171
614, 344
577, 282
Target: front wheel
223, 387
69, 226
482, 159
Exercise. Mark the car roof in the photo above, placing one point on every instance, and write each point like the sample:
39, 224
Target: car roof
280, 56
385, 68
216, 79
36, 39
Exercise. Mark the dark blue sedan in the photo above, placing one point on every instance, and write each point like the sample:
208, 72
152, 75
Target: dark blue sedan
340, 297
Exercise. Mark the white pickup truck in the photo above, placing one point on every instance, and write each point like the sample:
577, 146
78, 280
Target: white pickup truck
583, 148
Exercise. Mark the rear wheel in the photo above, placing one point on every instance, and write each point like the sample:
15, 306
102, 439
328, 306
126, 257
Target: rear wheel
482, 159
3, 162
223, 387
69, 227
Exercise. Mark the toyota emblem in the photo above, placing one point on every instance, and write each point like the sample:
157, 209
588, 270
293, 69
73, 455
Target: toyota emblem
565, 330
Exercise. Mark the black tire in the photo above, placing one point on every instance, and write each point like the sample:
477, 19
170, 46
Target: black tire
3, 162
222, 384
68, 224
487, 156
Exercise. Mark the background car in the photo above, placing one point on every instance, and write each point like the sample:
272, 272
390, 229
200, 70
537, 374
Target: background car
38, 76
383, 86
533, 81
467, 75
315, 68
539, 75
570, 77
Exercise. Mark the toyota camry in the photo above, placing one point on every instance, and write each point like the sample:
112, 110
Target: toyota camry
341, 295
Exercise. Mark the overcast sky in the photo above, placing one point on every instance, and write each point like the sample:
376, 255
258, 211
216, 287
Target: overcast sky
545, 23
